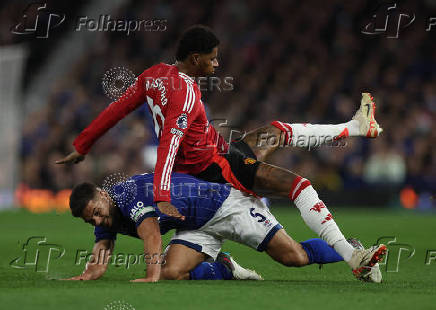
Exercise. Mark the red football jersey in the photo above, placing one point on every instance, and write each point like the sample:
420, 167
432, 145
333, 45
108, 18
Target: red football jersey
187, 142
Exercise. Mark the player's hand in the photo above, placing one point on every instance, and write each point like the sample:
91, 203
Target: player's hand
145, 280
74, 157
167, 208
82, 277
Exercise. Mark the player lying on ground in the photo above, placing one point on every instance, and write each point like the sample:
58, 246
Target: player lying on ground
213, 212
188, 144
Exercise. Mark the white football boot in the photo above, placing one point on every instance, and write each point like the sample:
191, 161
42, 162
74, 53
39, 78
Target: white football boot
362, 262
238, 272
366, 117
370, 274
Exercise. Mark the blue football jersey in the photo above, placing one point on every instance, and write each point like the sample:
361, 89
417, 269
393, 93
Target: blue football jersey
197, 200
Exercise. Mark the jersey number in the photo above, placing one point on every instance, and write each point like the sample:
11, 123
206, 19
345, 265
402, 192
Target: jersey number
156, 111
257, 215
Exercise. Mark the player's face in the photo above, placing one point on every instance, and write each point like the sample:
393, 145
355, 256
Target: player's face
207, 63
100, 211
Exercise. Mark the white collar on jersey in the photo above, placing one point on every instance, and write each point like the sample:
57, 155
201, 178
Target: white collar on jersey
186, 77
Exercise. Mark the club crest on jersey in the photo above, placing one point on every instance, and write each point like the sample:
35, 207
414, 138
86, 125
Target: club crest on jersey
249, 161
182, 121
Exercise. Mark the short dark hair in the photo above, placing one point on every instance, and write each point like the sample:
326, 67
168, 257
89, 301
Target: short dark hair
196, 39
80, 196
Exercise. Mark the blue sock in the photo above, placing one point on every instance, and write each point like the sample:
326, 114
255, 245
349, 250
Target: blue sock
320, 252
211, 271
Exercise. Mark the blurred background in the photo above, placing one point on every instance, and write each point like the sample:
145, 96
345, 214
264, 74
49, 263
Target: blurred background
294, 61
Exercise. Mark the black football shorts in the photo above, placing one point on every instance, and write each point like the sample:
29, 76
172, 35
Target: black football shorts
238, 167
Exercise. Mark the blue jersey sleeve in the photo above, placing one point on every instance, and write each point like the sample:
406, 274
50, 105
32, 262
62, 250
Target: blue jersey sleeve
139, 212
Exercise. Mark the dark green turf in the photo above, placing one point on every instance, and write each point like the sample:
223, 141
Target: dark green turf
332, 287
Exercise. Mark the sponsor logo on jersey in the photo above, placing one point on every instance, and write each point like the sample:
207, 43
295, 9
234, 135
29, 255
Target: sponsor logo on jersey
139, 210
182, 121
249, 161
177, 132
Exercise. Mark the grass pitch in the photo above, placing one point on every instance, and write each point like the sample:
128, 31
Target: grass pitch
409, 283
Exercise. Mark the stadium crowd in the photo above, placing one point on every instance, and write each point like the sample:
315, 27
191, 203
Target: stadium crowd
292, 61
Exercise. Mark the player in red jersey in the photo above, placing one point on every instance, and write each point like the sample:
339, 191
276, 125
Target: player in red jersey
187, 143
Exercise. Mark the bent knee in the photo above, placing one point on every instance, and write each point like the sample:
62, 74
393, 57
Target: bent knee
295, 258
172, 274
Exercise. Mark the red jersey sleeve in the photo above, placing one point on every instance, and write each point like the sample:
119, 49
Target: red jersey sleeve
117, 110
180, 112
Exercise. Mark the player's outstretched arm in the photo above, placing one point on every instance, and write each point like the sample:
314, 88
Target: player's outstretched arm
97, 266
149, 232
108, 118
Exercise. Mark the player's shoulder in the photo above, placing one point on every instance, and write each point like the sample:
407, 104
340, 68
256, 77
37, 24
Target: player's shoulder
176, 77
160, 70
137, 188
170, 76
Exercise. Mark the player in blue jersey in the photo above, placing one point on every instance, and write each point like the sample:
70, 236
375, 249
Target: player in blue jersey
212, 213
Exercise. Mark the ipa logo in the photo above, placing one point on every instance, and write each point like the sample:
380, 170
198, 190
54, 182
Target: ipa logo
37, 254
388, 20
37, 20
397, 253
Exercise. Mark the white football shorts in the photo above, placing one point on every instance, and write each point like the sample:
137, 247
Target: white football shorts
242, 218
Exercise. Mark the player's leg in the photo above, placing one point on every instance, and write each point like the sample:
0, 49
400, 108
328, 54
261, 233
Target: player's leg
279, 181
283, 249
245, 219
184, 263
249, 175
186, 259
265, 140
179, 261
